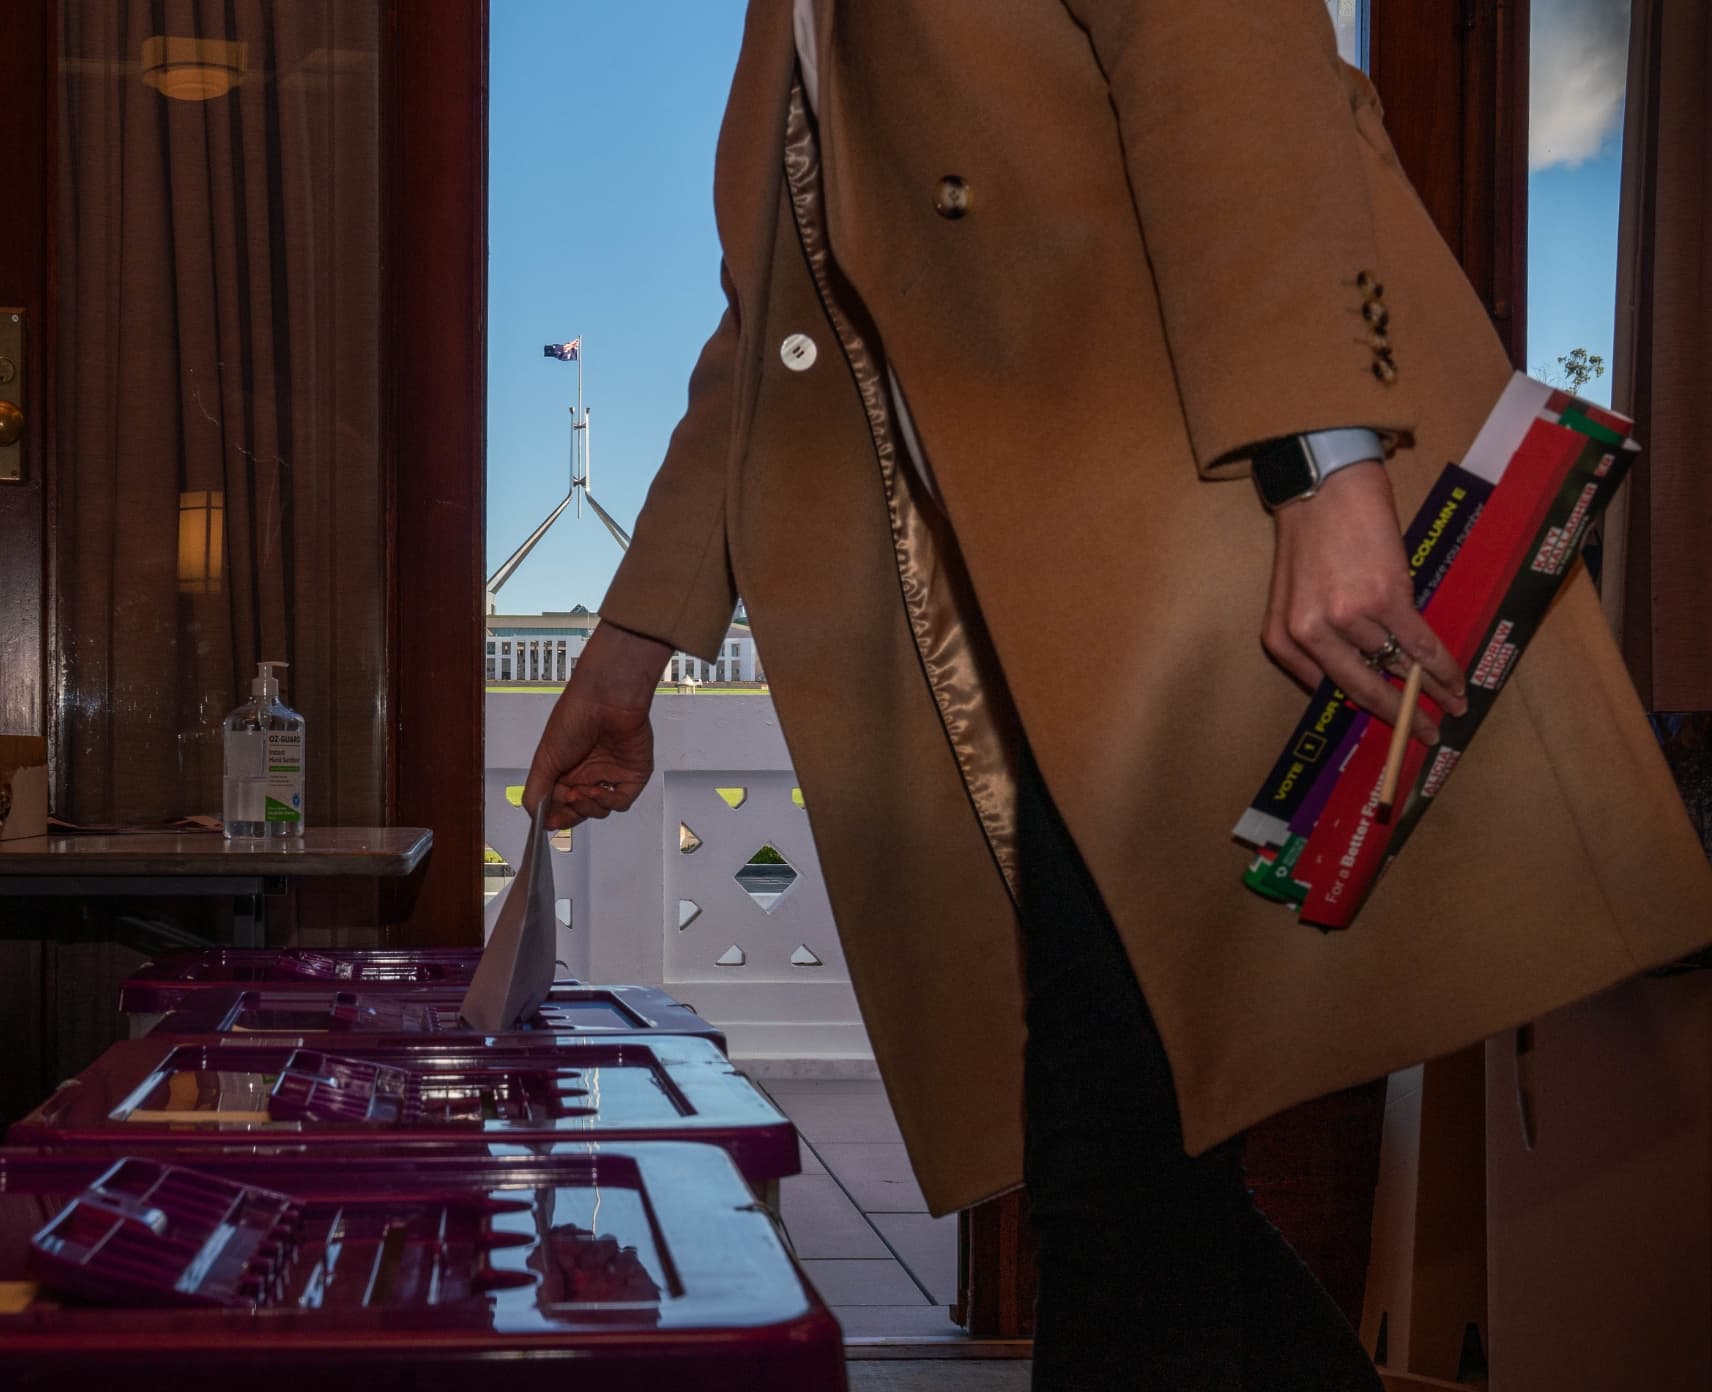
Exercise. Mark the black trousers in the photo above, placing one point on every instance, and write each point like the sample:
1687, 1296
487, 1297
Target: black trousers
1155, 1269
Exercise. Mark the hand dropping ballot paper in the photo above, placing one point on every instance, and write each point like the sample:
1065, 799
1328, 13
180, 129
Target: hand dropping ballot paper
1488, 550
518, 964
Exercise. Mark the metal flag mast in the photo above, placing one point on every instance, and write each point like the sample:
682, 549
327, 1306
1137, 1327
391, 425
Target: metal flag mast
579, 484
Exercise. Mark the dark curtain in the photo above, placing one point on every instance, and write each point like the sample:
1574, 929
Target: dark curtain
220, 497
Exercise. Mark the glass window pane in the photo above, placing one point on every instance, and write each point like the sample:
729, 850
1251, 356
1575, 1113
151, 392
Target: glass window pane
1578, 78
1349, 18
219, 491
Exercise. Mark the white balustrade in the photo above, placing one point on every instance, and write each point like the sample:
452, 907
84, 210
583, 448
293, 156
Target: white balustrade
653, 896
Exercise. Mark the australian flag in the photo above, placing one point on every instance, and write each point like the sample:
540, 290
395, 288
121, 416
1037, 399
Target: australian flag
564, 352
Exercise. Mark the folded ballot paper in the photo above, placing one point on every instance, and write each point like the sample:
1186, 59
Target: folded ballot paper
518, 964
1488, 551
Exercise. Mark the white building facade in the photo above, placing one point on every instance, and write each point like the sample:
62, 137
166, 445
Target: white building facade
737, 661
543, 649
537, 648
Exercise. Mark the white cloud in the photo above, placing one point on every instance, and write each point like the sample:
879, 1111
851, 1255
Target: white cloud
1578, 71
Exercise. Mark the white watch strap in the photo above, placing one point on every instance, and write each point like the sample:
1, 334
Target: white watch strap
1338, 449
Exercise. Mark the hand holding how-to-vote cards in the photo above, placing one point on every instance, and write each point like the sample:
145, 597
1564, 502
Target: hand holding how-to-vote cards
1489, 549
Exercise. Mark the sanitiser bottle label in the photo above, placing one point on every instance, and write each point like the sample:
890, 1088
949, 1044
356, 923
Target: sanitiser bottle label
285, 776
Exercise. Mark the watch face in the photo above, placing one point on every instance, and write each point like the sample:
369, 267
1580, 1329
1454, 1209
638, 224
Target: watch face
1284, 470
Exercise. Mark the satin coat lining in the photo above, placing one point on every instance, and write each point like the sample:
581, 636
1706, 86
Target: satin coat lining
956, 653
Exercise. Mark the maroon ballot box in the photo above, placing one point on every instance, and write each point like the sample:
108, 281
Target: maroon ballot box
281, 1098
171, 980
408, 1016
624, 1267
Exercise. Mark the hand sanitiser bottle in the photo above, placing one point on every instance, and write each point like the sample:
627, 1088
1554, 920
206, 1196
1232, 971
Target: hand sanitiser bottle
264, 763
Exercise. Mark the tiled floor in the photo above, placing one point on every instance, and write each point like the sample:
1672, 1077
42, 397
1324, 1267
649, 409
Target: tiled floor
911, 1375
856, 1218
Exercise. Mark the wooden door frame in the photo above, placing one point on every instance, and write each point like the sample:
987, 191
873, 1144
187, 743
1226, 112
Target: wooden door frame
27, 121
1453, 76
435, 317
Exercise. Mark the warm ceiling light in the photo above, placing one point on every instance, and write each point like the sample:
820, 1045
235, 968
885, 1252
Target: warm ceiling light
188, 69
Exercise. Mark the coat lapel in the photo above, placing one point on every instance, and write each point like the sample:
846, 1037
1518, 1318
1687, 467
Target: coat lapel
749, 171
825, 34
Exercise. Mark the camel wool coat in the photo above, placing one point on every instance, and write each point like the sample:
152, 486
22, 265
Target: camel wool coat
1106, 246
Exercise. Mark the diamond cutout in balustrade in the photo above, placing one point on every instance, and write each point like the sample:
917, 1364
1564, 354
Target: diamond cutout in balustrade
734, 797
766, 877
688, 842
688, 912
733, 956
562, 911
804, 957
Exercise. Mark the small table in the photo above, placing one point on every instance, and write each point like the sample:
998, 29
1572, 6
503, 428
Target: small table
197, 863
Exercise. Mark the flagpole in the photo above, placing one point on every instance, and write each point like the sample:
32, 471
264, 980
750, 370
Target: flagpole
579, 422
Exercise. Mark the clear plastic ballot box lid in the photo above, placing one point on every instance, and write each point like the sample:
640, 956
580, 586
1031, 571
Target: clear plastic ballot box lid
227, 1091
173, 978
619, 1266
411, 1015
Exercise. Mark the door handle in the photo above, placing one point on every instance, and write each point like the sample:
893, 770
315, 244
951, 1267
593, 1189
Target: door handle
11, 423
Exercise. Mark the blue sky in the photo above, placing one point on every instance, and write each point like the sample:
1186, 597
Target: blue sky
1572, 262
1578, 66
603, 122
603, 119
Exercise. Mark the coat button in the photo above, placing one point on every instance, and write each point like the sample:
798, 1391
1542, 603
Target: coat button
1369, 285
798, 352
1377, 316
951, 197
1384, 368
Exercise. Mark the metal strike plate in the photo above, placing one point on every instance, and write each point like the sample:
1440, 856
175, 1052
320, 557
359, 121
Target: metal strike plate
14, 428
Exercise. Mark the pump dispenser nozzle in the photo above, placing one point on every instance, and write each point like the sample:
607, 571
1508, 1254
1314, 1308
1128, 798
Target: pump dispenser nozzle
266, 684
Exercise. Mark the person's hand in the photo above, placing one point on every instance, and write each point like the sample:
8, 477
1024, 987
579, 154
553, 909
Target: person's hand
597, 752
1340, 585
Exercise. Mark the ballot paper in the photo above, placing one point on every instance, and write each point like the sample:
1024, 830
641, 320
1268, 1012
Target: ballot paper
519, 962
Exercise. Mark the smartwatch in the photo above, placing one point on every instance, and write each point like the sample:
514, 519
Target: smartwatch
1294, 466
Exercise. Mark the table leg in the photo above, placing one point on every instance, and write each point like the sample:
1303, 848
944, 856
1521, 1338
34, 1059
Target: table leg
249, 920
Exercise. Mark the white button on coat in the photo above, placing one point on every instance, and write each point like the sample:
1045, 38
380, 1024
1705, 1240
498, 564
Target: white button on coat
798, 352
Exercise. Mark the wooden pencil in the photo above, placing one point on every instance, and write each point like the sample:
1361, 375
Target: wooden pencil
1400, 739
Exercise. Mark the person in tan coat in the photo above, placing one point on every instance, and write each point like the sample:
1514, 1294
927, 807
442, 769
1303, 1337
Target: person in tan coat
1019, 292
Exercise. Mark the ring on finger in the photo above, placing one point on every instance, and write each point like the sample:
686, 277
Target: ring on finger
1376, 658
607, 787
